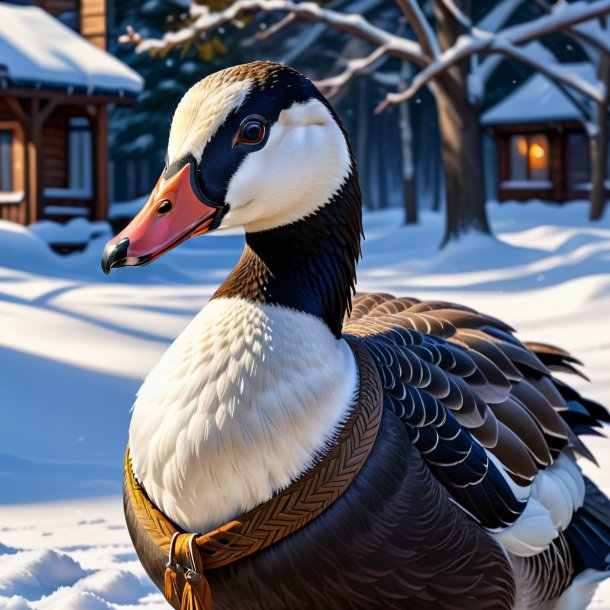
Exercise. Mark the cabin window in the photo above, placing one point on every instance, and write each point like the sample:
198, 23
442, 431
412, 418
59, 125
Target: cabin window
578, 165
80, 157
6, 160
529, 158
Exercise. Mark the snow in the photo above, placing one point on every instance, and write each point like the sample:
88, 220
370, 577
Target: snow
67, 193
539, 100
11, 197
67, 210
526, 184
75, 231
75, 345
55, 55
126, 209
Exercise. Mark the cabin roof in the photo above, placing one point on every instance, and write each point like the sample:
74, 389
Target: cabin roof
538, 100
38, 51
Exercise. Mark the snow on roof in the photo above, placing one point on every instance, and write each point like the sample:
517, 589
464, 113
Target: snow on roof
38, 50
538, 100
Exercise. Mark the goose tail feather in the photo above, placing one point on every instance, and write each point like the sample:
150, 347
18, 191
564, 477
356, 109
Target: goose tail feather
588, 534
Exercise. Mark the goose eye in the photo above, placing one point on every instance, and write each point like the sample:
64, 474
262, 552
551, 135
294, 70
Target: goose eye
251, 131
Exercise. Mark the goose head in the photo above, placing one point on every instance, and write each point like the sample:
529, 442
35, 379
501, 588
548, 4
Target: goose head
256, 146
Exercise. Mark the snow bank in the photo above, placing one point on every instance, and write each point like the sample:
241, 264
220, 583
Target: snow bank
33, 574
71, 599
84, 342
75, 231
14, 602
114, 585
22, 249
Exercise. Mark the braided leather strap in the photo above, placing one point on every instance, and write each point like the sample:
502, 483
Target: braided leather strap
271, 521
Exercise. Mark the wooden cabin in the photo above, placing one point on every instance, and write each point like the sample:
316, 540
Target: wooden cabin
543, 149
56, 81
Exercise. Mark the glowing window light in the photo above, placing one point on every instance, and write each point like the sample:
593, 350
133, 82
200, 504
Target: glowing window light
522, 146
537, 151
538, 157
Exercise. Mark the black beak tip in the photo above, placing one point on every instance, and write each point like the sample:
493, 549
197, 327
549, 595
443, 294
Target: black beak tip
115, 255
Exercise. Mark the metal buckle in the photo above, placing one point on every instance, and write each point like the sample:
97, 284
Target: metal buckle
189, 573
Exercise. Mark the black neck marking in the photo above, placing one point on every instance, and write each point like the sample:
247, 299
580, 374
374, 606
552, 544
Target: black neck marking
309, 265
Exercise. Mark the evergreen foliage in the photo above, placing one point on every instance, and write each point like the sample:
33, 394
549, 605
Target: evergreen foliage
138, 135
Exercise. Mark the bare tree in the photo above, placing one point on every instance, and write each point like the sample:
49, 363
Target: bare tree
444, 54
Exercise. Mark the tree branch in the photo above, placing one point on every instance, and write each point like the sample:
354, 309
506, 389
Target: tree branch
457, 14
206, 21
504, 42
275, 28
580, 33
423, 32
331, 87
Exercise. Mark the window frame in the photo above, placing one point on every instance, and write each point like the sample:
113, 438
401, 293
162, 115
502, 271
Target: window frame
84, 155
18, 158
528, 140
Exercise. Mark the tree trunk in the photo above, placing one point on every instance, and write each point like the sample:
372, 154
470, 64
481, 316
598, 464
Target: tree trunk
461, 142
410, 202
408, 170
599, 146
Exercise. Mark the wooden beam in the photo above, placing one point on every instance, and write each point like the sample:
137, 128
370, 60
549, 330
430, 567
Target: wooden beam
76, 99
46, 111
100, 146
19, 110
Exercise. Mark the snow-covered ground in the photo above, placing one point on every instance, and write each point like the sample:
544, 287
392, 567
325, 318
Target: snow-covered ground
75, 345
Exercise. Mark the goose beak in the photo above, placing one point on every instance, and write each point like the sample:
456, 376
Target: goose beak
174, 212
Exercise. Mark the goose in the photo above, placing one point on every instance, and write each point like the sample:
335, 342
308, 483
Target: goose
464, 489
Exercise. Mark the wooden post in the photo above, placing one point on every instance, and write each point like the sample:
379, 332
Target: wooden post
557, 165
100, 145
34, 182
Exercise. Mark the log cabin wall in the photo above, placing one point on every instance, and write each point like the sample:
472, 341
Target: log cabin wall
55, 150
93, 22
557, 167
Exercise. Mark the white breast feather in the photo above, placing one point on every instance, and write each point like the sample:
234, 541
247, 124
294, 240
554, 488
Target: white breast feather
237, 408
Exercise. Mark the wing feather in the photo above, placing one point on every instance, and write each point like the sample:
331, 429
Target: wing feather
482, 408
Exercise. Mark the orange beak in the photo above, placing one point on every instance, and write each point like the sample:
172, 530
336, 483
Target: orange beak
173, 213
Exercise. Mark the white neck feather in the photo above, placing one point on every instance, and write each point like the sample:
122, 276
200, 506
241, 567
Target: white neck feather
240, 405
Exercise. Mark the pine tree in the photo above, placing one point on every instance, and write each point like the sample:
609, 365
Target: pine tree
138, 136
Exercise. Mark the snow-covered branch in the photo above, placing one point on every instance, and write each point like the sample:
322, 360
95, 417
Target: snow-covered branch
333, 85
421, 27
497, 17
505, 43
591, 33
207, 21
457, 14
555, 71
276, 27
